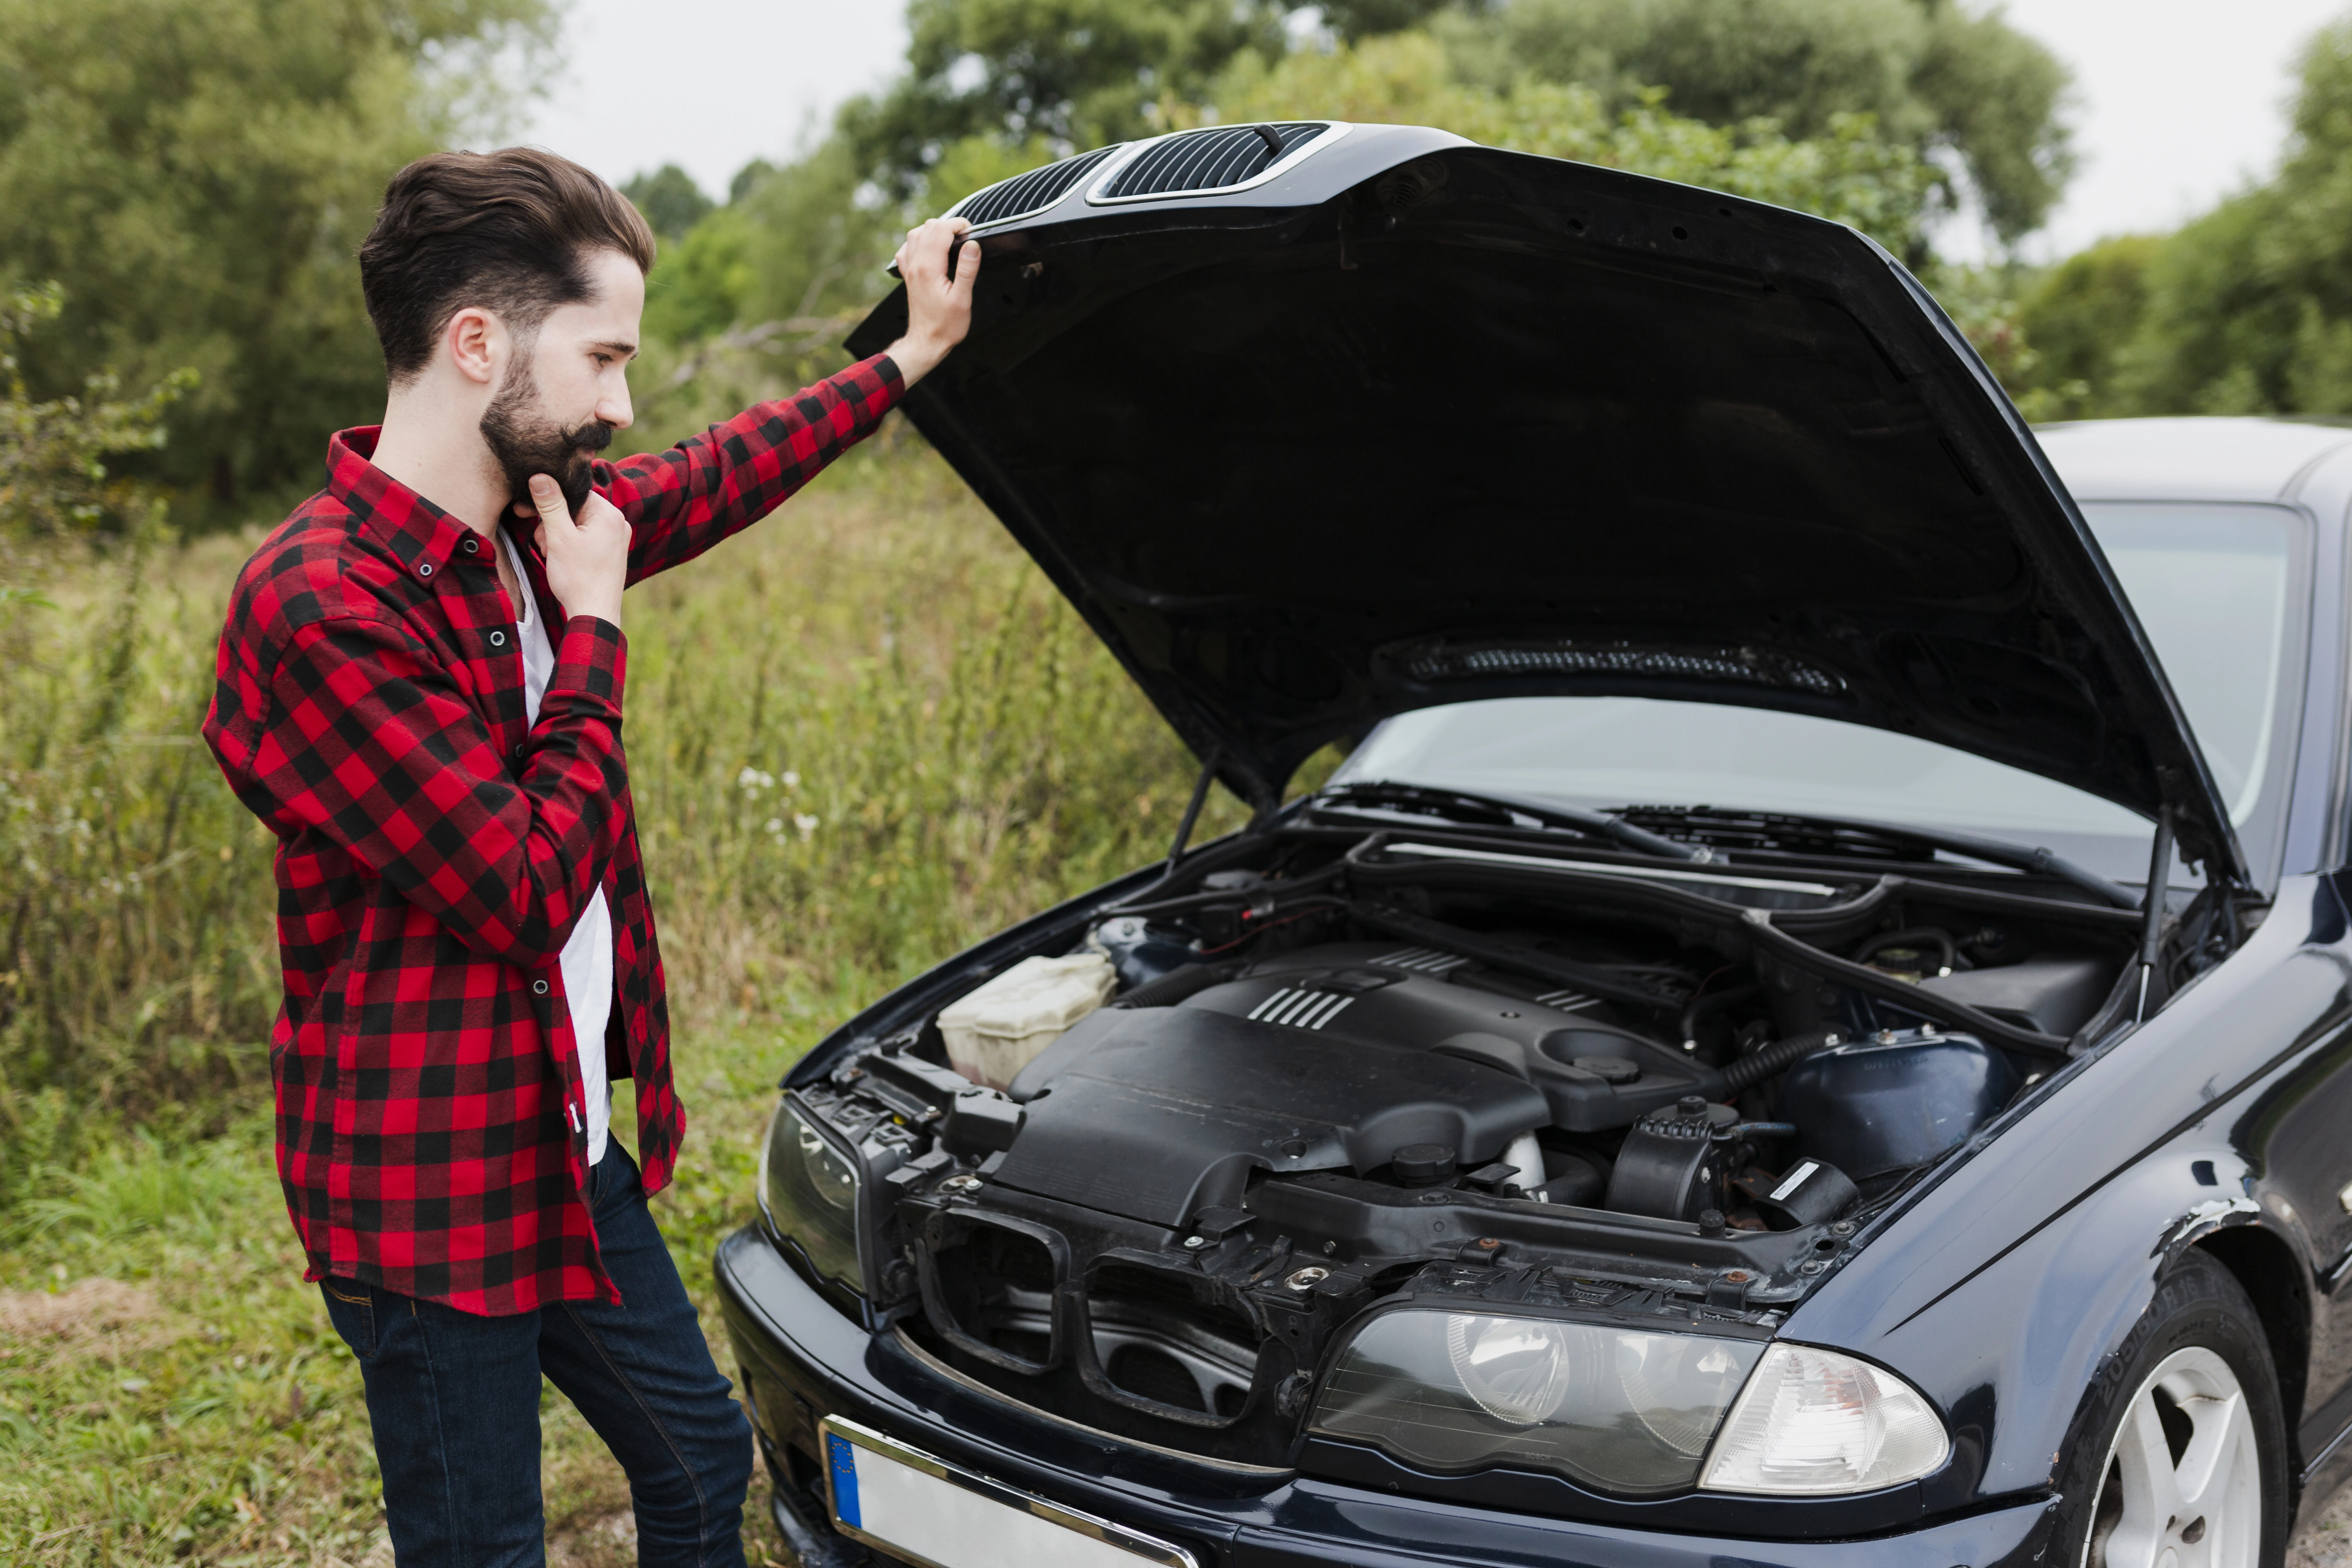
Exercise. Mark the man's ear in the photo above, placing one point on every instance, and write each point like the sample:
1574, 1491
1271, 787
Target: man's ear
476, 340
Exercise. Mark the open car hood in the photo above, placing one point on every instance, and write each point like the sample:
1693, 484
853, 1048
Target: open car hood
1409, 421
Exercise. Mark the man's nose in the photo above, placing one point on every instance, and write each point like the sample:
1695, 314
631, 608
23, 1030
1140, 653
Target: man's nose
613, 409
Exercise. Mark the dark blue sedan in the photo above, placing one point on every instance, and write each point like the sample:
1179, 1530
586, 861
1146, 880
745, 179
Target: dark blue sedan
1809, 1029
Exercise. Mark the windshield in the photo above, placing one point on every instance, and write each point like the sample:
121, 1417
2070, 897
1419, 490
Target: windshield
2211, 586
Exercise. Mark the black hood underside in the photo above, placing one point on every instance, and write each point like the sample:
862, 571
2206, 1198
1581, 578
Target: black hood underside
1474, 424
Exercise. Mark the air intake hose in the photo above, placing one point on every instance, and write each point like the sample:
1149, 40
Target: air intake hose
1771, 1062
1176, 985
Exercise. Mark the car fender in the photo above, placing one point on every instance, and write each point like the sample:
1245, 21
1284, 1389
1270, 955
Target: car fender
2003, 1290
2014, 1354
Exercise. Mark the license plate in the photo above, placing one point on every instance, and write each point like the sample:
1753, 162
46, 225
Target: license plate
941, 1516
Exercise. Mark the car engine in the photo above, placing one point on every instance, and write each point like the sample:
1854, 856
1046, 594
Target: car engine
1341, 1069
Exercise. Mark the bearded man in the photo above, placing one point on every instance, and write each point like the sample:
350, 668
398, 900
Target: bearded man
419, 691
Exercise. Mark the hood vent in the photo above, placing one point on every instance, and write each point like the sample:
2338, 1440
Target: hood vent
1031, 192
1197, 163
1742, 666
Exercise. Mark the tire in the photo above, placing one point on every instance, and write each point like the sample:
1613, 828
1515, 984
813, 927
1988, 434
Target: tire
2179, 1457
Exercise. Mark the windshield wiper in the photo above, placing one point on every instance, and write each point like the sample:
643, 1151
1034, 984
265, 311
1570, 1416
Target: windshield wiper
1506, 811
1992, 851
1511, 811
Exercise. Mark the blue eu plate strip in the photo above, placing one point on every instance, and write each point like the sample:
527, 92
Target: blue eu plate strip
845, 1478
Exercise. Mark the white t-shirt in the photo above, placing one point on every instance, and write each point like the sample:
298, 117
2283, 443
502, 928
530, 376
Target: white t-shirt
587, 959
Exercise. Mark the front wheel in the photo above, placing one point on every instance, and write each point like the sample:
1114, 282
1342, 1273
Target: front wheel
2180, 1462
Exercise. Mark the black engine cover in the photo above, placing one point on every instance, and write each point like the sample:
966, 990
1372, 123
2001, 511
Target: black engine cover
1156, 1113
1326, 1057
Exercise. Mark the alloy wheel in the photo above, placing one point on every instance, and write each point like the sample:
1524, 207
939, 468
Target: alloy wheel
2182, 1485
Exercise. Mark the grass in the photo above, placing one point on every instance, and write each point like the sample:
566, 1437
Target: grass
860, 737
171, 1390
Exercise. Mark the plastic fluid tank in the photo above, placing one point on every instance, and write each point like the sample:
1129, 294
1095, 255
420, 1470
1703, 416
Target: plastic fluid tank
1894, 1100
994, 1032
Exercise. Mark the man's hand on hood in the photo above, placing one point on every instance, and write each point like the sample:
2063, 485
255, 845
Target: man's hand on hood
938, 307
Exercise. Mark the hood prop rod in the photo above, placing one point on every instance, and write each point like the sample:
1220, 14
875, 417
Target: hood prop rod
2151, 930
1193, 810
1139, 899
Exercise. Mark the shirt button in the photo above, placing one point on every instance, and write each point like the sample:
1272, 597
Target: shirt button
539, 987
497, 639
471, 546
424, 569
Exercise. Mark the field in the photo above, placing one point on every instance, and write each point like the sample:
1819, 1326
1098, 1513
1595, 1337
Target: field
860, 736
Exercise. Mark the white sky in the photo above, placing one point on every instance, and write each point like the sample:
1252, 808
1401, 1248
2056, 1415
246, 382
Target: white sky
2179, 101
710, 85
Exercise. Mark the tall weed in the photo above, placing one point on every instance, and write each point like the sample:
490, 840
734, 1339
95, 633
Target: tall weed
873, 734
135, 975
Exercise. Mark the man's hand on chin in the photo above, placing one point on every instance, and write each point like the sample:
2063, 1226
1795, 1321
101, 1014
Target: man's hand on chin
587, 557
938, 307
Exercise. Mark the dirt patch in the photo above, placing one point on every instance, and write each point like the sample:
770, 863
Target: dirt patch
378, 1554
2328, 1542
84, 1311
595, 1543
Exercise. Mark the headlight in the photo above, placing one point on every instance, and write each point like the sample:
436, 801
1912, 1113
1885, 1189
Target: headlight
1625, 1411
809, 1187
1611, 1408
1813, 1421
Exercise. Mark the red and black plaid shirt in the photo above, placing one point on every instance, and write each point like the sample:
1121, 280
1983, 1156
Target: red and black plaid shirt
435, 852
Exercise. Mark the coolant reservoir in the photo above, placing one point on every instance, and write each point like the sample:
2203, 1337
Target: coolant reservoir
994, 1033
1894, 1100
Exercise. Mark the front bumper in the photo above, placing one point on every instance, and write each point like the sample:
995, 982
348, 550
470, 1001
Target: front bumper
800, 1358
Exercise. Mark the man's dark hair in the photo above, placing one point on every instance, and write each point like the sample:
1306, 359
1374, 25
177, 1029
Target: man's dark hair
509, 231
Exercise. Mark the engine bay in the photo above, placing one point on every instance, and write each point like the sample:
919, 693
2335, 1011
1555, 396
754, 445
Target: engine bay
1342, 1068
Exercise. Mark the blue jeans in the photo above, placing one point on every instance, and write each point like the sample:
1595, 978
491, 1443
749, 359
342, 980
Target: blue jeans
454, 1399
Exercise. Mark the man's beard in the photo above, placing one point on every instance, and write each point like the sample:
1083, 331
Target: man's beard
525, 442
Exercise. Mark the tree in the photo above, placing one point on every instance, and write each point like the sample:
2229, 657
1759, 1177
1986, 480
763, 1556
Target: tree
2079, 316
1077, 73
1933, 75
1996, 100
2248, 309
1848, 173
670, 200
55, 482
756, 298
1352, 21
199, 174
747, 177
1954, 85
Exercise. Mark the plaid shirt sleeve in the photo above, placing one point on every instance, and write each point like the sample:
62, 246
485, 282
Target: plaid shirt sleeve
376, 746
682, 502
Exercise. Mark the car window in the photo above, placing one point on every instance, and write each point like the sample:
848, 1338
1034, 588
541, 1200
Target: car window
2210, 585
